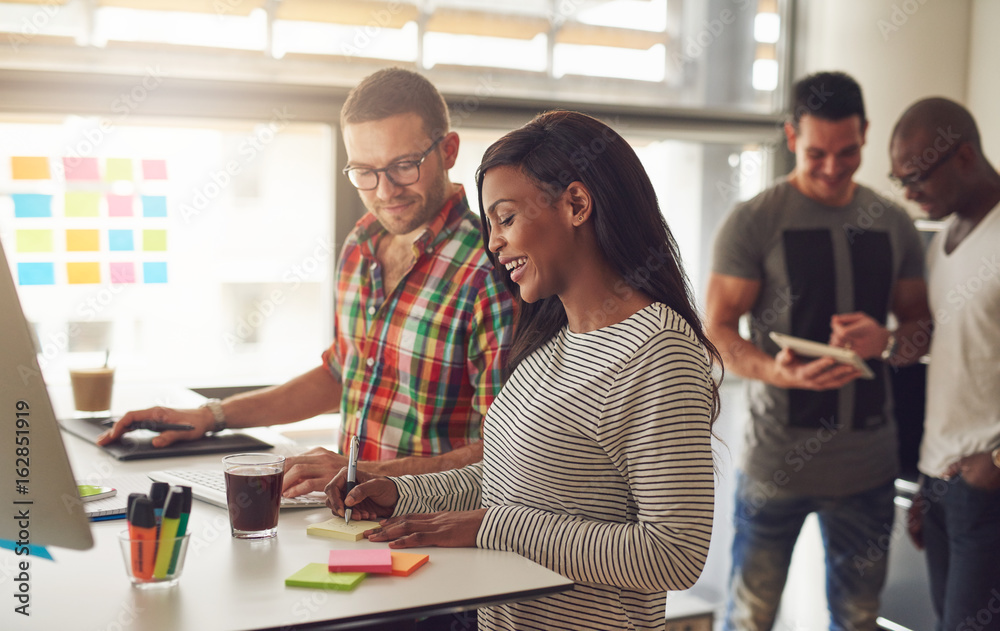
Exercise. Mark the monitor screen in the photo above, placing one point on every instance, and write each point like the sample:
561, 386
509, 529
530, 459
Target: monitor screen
41, 505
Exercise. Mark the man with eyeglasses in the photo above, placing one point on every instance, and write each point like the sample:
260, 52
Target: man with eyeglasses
421, 327
938, 158
822, 257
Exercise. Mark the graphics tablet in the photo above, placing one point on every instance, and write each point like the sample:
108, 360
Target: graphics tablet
810, 348
136, 445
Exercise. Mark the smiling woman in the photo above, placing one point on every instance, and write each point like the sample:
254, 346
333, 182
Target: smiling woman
597, 459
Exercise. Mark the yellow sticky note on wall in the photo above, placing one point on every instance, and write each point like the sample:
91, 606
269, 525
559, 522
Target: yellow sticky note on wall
29, 168
83, 241
83, 273
82, 204
118, 169
154, 240
34, 240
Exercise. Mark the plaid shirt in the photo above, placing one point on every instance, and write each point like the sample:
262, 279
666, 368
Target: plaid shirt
421, 366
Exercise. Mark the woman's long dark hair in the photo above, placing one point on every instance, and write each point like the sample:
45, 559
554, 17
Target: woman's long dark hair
561, 147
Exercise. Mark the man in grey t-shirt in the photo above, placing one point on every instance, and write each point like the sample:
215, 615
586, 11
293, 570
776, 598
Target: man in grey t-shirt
821, 257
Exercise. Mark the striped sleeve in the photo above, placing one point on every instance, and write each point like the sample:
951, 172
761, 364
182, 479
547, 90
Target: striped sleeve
453, 490
655, 428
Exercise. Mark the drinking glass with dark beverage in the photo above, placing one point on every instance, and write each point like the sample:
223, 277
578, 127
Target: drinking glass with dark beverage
253, 491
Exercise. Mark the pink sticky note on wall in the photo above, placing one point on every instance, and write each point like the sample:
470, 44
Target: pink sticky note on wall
373, 561
119, 205
154, 169
122, 273
81, 168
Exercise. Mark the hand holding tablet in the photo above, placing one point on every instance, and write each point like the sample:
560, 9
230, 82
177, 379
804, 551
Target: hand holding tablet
809, 348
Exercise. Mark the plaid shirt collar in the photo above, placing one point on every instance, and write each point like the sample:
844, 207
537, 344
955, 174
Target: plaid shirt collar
440, 229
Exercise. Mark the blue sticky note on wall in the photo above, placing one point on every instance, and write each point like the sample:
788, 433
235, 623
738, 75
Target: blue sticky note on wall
36, 274
32, 205
120, 241
154, 206
154, 272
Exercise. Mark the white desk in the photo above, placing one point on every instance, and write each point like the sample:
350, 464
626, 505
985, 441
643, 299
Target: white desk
230, 584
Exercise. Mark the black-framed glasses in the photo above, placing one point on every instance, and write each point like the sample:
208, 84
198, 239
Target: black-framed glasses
917, 178
401, 173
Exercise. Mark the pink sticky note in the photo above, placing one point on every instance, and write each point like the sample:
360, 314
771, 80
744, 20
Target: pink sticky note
154, 169
364, 560
122, 273
119, 205
81, 168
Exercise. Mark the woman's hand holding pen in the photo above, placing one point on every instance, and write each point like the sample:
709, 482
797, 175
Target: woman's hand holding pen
448, 529
373, 497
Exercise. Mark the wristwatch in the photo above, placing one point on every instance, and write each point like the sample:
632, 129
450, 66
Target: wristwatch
996, 457
215, 407
890, 348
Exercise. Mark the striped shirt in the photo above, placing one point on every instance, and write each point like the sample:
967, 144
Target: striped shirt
421, 366
598, 465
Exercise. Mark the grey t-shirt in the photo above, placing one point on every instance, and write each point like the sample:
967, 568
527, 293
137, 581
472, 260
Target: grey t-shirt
813, 261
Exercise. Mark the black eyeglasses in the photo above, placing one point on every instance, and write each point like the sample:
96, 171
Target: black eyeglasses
402, 173
917, 178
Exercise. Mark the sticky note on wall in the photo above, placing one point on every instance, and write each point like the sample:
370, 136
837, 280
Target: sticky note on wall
29, 168
83, 273
118, 169
154, 240
34, 240
154, 169
120, 241
80, 168
82, 204
154, 206
122, 273
154, 272
83, 241
31, 205
36, 274
119, 205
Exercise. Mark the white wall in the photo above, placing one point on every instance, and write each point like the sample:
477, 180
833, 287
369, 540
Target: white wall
984, 89
899, 51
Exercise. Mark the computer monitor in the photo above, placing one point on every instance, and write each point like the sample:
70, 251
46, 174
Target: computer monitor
41, 504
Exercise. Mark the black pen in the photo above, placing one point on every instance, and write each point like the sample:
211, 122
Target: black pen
352, 473
159, 426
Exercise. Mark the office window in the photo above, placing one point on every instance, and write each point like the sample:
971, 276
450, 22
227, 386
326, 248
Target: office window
197, 250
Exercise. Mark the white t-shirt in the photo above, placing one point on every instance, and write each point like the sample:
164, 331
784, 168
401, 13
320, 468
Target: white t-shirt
963, 382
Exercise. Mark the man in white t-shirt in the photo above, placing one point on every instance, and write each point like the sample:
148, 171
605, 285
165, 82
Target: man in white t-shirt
938, 159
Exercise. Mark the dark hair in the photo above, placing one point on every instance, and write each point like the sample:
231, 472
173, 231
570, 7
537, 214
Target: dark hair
393, 91
558, 148
832, 96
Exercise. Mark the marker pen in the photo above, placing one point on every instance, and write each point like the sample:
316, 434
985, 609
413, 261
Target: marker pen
186, 499
168, 532
142, 532
158, 493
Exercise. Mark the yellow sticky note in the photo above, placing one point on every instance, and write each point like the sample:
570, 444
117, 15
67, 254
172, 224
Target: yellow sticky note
83, 273
83, 241
118, 169
154, 240
29, 168
82, 204
336, 528
34, 240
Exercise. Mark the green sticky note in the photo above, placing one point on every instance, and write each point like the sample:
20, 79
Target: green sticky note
317, 575
79, 204
154, 240
34, 240
118, 169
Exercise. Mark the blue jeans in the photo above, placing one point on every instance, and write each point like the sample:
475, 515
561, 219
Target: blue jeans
856, 530
962, 541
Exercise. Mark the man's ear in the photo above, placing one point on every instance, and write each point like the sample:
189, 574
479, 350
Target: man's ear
449, 147
790, 136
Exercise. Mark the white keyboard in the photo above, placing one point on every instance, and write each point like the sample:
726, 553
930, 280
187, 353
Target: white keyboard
209, 486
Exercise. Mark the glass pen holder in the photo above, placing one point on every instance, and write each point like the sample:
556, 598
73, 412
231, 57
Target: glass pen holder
152, 563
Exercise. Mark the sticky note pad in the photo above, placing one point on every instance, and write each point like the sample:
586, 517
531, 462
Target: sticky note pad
81, 168
29, 168
34, 240
118, 169
80, 204
83, 273
335, 528
83, 241
406, 563
36, 274
377, 561
316, 575
31, 205
154, 169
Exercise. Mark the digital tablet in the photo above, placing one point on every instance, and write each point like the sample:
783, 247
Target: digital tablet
810, 348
